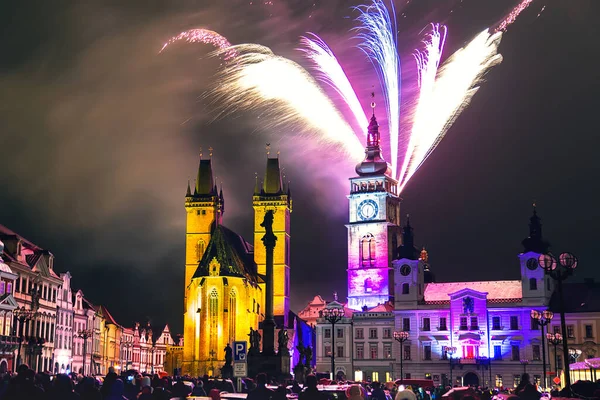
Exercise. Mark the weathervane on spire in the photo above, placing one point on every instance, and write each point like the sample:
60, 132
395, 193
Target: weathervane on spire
373, 104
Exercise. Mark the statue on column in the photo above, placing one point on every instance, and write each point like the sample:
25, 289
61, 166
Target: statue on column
283, 339
254, 339
307, 356
228, 355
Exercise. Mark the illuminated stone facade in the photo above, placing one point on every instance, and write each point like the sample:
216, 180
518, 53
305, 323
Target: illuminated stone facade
373, 229
224, 287
488, 323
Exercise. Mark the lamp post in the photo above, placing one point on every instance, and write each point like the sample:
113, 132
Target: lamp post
84, 334
554, 339
450, 352
401, 337
542, 319
22, 315
524, 363
332, 315
559, 270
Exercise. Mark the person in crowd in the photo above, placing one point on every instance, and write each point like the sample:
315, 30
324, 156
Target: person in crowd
161, 391
146, 389
215, 394
280, 393
296, 387
377, 393
62, 389
356, 392
310, 391
261, 392
88, 390
405, 394
23, 385
199, 389
116, 391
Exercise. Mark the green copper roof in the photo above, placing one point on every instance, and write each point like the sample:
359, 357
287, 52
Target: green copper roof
233, 253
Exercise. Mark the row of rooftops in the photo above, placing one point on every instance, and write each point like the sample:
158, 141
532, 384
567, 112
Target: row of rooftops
15, 249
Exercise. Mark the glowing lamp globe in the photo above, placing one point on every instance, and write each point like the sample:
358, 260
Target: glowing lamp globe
547, 262
568, 260
535, 314
548, 315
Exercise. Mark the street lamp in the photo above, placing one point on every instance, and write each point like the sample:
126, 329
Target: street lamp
85, 334
542, 319
401, 337
559, 270
524, 363
332, 315
450, 351
22, 315
554, 339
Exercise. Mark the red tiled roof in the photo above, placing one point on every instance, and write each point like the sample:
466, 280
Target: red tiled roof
4, 231
496, 290
387, 307
108, 318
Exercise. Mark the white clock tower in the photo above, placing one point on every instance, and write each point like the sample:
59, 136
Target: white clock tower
373, 229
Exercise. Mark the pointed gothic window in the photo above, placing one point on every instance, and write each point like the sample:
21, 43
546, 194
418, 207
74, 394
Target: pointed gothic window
367, 250
213, 307
232, 314
200, 249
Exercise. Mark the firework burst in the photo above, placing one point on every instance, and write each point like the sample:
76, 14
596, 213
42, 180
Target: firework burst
259, 79
204, 36
378, 35
279, 87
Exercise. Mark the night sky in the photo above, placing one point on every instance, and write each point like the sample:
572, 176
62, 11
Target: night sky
100, 133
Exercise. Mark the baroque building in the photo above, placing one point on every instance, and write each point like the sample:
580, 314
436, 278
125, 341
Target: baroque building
53, 329
224, 274
35, 291
459, 333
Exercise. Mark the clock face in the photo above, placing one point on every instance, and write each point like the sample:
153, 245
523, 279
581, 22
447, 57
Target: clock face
532, 264
405, 270
367, 210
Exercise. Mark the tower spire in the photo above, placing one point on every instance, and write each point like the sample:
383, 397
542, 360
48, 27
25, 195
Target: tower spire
535, 241
205, 184
273, 184
373, 164
407, 250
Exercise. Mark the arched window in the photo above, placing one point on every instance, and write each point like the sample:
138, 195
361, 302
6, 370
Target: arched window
367, 250
200, 246
405, 288
232, 314
213, 312
532, 284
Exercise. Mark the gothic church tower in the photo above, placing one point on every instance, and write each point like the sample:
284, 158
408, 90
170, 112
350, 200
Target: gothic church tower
204, 207
272, 195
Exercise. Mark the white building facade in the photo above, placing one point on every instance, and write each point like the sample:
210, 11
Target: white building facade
63, 359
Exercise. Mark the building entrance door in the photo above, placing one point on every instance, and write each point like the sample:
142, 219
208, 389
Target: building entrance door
471, 379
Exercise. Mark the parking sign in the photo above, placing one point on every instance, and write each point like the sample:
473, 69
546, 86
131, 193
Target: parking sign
239, 351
